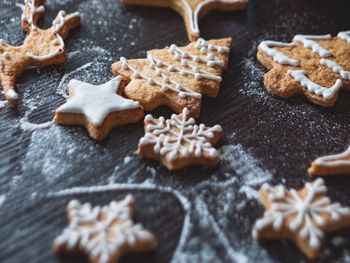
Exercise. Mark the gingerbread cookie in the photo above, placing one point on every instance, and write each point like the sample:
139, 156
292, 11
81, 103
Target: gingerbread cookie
192, 10
103, 234
179, 142
40, 48
316, 66
302, 216
98, 108
176, 76
331, 164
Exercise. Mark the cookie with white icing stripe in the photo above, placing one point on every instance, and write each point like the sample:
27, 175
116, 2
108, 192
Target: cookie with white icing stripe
98, 108
42, 47
331, 164
179, 142
316, 66
302, 216
176, 76
103, 234
192, 10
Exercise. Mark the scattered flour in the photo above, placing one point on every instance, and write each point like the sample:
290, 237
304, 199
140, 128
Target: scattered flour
2, 199
26, 125
3, 103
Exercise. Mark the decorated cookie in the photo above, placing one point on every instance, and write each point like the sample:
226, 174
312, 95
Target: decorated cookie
103, 234
192, 10
179, 142
302, 216
176, 76
331, 164
40, 48
98, 108
316, 66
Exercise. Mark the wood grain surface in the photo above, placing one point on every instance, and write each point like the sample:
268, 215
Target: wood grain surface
198, 214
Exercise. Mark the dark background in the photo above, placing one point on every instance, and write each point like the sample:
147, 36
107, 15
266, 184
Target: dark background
267, 139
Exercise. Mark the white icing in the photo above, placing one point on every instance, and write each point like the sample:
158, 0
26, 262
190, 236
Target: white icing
103, 233
277, 56
194, 14
11, 94
336, 68
60, 20
179, 137
345, 35
335, 159
96, 102
326, 93
53, 54
33, 10
307, 41
176, 87
308, 213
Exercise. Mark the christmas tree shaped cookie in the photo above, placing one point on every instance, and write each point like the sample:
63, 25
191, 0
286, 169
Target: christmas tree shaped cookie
302, 216
316, 66
176, 76
192, 10
40, 48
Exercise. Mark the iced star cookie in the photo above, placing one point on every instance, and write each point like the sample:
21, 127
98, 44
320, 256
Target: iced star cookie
302, 216
331, 164
40, 48
192, 10
179, 142
316, 66
176, 76
98, 108
103, 234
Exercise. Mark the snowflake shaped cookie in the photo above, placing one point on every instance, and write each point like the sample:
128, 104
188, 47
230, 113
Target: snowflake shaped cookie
105, 233
179, 142
302, 216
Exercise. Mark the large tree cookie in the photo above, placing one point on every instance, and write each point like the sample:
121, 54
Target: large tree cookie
192, 10
98, 108
103, 234
179, 142
176, 76
302, 216
40, 48
331, 164
316, 66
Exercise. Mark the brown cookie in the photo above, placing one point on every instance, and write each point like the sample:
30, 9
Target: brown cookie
103, 234
98, 108
40, 48
192, 10
316, 66
176, 76
302, 216
331, 164
179, 142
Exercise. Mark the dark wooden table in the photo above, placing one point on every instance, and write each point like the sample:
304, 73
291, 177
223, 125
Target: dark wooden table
199, 214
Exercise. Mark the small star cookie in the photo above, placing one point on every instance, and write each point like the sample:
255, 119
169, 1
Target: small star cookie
40, 48
98, 108
103, 234
315, 66
331, 164
179, 142
192, 10
176, 76
302, 216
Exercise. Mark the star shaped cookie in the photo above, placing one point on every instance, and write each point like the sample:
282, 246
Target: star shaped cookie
302, 216
179, 142
192, 10
331, 164
42, 47
98, 108
103, 234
